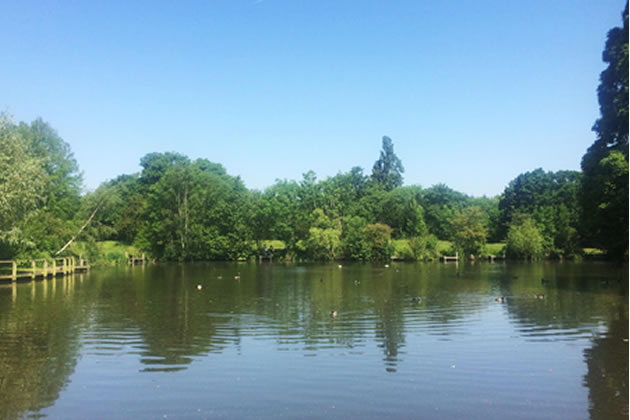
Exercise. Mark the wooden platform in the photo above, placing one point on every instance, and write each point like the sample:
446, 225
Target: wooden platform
449, 258
136, 260
41, 268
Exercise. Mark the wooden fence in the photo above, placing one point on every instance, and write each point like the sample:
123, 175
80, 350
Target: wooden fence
41, 268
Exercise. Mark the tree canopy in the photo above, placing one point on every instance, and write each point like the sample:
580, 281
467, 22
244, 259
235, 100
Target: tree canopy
605, 185
388, 169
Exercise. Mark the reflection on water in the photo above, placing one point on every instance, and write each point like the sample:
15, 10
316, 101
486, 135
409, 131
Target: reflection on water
190, 340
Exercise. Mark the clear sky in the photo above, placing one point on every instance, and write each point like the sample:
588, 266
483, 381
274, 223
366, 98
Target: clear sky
472, 93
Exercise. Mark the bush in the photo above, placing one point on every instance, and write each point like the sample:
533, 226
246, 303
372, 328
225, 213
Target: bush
423, 247
321, 244
378, 238
524, 239
354, 244
469, 231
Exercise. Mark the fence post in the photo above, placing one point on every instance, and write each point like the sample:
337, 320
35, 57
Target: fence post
54, 267
65, 266
14, 270
33, 267
45, 268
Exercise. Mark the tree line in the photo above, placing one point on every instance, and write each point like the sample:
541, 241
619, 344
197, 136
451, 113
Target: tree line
176, 208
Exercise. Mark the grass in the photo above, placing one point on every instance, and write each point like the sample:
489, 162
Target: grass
494, 248
106, 252
275, 243
109, 247
593, 251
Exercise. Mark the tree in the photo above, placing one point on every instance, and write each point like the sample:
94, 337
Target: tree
63, 181
388, 169
353, 241
341, 193
22, 188
609, 223
606, 218
469, 231
551, 199
524, 240
401, 211
440, 204
378, 238
39, 189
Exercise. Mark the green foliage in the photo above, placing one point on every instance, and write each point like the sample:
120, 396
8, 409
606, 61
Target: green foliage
440, 204
194, 211
388, 169
605, 164
490, 210
354, 243
323, 239
416, 248
469, 231
551, 198
606, 204
179, 209
104, 252
524, 240
22, 186
494, 249
321, 244
378, 239
612, 93
400, 210
39, 189
63, 180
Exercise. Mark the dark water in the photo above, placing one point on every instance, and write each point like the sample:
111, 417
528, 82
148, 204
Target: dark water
147, 343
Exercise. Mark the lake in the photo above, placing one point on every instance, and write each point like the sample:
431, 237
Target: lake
190, 341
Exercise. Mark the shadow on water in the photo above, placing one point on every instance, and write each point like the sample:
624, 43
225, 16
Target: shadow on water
40, 344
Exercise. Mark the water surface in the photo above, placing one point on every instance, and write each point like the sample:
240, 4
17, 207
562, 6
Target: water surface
191, 341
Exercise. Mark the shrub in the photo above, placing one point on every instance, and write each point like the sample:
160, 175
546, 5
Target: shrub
524, 239
378, 237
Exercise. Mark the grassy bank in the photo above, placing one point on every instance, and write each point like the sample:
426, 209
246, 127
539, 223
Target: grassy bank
113, 252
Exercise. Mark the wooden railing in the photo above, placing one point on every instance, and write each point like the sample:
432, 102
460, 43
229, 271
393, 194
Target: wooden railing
41, 268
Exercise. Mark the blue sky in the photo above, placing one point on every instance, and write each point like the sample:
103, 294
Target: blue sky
472, 93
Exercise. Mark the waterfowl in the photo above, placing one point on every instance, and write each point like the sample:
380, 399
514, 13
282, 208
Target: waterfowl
416, 299
539, 296
340, 266
357, 282
199, 287
219, 277
333, 314
500, 299
238, 276
386, 265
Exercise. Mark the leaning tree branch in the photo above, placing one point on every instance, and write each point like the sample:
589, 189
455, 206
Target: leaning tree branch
80, 230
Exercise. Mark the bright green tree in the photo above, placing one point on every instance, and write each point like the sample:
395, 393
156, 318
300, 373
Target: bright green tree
469, 231
524, 239
378, 238
22, 189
